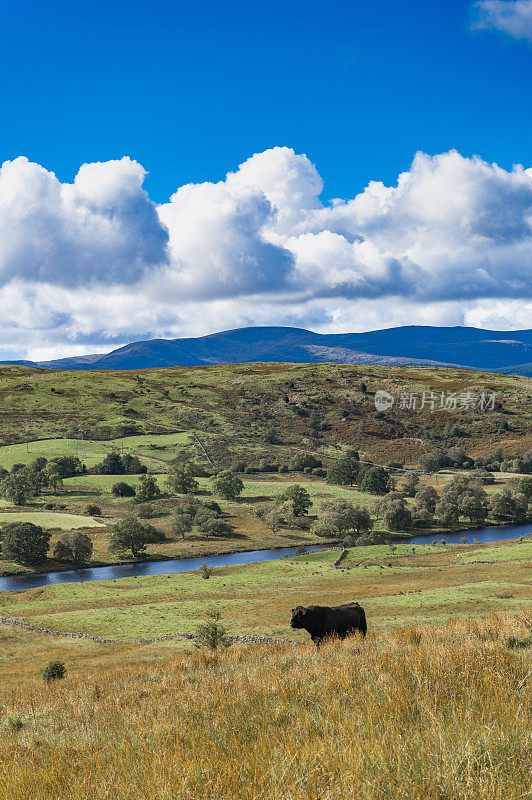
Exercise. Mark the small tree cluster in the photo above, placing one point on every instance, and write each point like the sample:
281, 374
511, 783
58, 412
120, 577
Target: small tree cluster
117, 464
340, 517
206, 517
75, 547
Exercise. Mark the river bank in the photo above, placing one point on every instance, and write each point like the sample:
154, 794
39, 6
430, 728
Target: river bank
177, 565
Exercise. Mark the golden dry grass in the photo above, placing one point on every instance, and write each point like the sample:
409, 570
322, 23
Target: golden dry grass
425, 713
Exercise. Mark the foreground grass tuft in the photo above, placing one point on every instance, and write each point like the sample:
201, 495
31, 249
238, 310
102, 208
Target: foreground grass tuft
424, 713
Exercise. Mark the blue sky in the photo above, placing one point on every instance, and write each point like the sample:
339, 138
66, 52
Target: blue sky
192, 89
175, 169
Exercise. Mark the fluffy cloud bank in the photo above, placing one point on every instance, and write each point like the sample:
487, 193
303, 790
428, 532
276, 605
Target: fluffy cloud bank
93, 264
513, 17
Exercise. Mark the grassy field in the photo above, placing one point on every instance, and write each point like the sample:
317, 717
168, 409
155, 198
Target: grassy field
425, 713
407, 585
51, 519
153, 449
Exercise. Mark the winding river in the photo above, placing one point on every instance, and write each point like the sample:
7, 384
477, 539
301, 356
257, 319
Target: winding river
167, 567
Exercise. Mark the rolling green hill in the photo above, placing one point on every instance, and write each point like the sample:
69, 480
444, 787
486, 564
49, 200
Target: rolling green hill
257, 409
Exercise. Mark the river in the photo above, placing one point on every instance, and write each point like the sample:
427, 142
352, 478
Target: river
170, 566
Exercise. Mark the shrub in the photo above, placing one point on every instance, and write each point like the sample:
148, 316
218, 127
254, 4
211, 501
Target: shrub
54, 671
217, 527
93, 511
212, 634
122, 489
206, 571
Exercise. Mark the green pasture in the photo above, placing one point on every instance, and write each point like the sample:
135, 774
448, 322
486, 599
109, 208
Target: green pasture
50, 519
318, 490
395, 589
151, 447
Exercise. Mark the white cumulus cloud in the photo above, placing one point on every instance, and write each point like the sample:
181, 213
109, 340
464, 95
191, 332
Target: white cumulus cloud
95, 263
513, 17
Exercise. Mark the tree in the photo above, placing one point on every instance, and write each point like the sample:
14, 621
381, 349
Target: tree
181, 480
421, 514
344, 516
123, 489
152, 535
52, 476
472, 507
410, 484
397, 516
204, 515
325, 529
375, 480
448, 511
299, 461
133, 465
343, 472
147, 489
25, 543
74, 547
18, 487
129, 534
68, 466
427, 496
272, 519
361, 519
298, 497
430, 462
112, 464
505, 506
525, 487
228, 485
181, 524
457, 456
81, 547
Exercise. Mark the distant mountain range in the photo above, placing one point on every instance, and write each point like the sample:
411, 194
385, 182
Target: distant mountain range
499, 351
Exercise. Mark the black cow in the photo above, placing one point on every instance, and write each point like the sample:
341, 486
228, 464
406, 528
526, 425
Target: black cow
322, 621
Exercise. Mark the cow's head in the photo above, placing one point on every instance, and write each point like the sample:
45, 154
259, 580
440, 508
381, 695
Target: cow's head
299, 615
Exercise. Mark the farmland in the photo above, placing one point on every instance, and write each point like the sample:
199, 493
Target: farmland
434, 697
